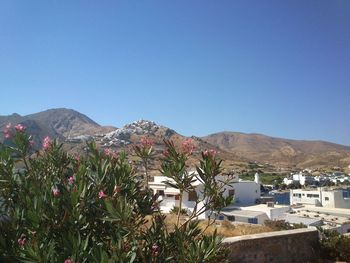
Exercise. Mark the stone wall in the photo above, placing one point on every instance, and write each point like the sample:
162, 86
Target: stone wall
297, 245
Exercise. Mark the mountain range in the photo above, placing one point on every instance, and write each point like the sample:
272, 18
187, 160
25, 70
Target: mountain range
236, 149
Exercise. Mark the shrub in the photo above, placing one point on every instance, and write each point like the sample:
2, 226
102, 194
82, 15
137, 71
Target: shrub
334, 246
55, 207
278, 225
175, 210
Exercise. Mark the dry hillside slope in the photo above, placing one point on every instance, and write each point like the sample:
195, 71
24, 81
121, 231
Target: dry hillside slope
278, 151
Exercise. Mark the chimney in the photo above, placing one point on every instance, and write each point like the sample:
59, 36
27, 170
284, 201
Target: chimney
270, 204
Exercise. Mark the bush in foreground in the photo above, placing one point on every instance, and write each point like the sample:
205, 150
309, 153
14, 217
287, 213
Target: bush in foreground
334, 246
55, 207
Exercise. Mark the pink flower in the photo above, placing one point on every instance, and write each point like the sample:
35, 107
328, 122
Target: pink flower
146, 142
210, 153
110, 153
47, 143
188, 146
21, 241
166, 153
101, 195
155, 250
19, 128
71, 180
7, 133
56, 192
107, 151
68, 260
31, 143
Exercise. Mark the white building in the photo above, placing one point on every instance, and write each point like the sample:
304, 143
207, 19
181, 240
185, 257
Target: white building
299, 178
255, 214
244, 216
244, 192
320, 197
337, 219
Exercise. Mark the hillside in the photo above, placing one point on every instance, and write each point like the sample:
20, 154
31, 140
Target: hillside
281, 152
236, 149
131, 134
56, 123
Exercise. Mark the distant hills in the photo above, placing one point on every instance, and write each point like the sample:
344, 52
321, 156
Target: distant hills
56, 123
237, 149
282, 152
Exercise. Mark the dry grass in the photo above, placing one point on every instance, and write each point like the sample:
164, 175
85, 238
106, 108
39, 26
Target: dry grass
223, 228
227, 229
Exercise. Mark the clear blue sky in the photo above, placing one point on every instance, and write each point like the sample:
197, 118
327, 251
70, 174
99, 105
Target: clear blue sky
280, 68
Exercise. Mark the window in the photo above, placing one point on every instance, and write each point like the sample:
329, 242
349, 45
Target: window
231, 218
231, 192
160, 192
192, 196
177, 197
221, 217
312, 196
252, 220
326, 198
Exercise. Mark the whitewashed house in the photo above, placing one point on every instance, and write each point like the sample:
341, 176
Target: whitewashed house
325, 197
244, 192
299, 178
255, 214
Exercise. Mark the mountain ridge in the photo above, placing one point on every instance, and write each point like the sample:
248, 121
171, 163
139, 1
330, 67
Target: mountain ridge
276, 137
74, 128
280, 151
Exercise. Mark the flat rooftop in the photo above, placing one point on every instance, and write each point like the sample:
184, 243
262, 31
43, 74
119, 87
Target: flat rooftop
260, 207
333, 215
296, 219
243, 213
334, 211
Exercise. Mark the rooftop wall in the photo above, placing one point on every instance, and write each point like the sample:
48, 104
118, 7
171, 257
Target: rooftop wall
297, 245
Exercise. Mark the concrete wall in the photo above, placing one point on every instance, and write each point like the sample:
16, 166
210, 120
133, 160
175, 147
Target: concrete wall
277, 212
340, 201
297, 245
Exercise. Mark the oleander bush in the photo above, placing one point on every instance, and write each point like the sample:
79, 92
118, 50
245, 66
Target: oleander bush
56, 207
